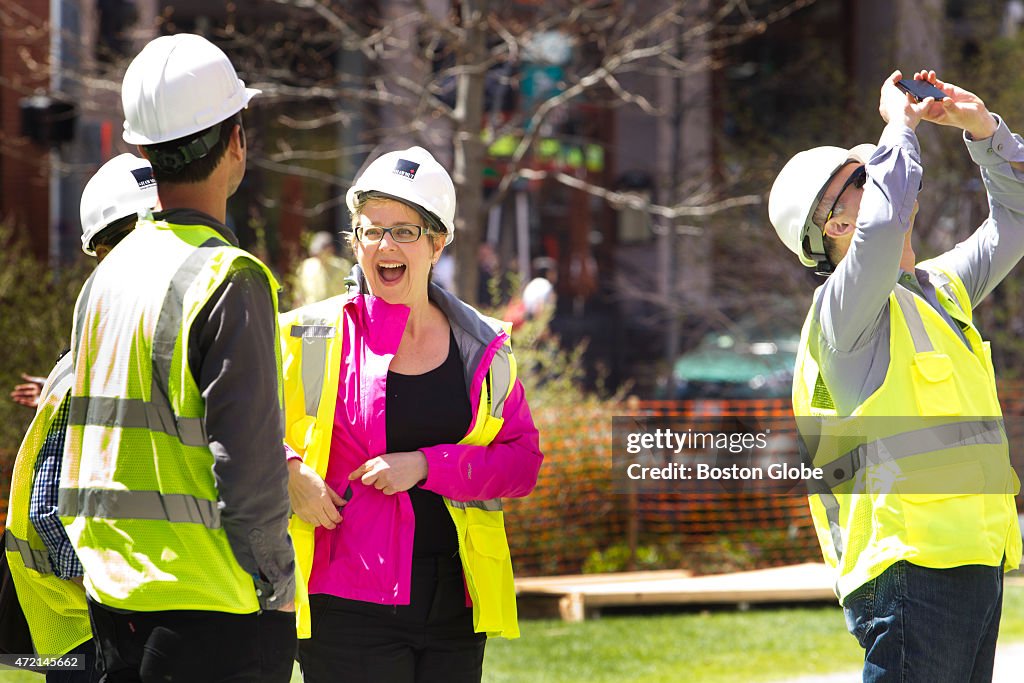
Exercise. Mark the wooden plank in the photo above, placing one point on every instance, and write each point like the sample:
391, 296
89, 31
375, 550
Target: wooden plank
579, 596
555, 584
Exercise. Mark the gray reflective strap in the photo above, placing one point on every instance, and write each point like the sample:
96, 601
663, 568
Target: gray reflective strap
109, 411
165, 336
83, 303
67, 371
121, 504
314, 362
835, 529
39, 560
918, 333
501, 379
907, 444
491, 505
818, 488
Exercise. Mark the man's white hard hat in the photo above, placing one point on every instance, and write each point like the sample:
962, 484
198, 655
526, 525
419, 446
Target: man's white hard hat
177, 86
796, 193
122, 187
412, 176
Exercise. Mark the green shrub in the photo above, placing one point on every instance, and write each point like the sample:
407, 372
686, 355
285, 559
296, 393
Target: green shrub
36, 307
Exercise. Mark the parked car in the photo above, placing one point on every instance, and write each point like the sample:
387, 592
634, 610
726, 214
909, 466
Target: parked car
727, 366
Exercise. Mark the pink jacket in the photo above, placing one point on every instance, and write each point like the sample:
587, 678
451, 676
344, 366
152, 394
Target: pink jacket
368, 556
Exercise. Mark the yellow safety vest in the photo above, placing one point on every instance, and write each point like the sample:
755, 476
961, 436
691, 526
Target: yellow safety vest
55, 608
138, 495
311, 361
920, 470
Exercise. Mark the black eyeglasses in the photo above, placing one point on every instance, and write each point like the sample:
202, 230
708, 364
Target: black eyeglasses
403, 232
857, 179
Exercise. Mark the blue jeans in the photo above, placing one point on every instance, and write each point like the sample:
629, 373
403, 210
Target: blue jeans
934, 625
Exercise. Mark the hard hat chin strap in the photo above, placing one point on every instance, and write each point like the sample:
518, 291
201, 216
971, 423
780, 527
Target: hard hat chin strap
173, 160
814, 247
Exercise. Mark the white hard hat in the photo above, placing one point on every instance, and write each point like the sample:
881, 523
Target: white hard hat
179, 85
122, 187
797, 191
412, 176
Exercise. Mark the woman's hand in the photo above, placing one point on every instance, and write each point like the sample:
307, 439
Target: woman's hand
312, 499
392, 472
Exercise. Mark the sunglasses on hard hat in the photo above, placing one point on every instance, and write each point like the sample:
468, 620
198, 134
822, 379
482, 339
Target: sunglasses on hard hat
857, 179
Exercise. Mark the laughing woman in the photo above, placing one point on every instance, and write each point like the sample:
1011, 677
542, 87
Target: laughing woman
405, 425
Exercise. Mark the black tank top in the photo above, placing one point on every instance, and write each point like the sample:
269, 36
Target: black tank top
427, 410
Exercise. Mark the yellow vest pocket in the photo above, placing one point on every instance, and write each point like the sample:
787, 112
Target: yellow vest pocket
934, 385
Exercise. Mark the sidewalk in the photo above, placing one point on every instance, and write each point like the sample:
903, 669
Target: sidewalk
1009, 665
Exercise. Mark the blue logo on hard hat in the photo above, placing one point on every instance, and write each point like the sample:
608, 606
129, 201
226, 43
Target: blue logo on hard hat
406, 168
144, 177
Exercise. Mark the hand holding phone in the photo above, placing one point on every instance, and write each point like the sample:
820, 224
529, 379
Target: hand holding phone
919, 90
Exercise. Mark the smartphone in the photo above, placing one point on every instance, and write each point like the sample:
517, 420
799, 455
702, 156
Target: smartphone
920, 89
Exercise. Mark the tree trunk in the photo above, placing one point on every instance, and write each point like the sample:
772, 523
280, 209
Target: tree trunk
469, 150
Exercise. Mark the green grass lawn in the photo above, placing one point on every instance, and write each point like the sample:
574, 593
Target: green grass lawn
712, 647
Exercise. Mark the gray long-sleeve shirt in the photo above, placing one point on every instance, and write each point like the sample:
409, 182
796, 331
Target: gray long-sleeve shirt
233, 359
852, 307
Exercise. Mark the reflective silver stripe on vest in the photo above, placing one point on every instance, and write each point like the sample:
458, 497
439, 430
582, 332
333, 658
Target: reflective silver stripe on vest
38, 560
908, 444
108, 411
83, 302
67, 371
121, 504
818, 488
915, 324
314, 361
165, 336
157, 414
501, 379
307, 331
491, 505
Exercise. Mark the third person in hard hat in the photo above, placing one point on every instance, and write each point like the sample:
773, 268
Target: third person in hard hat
47, 574
895, 394
403, 401
173, 489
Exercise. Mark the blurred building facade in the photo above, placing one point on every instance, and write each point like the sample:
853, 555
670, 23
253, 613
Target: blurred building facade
642, 286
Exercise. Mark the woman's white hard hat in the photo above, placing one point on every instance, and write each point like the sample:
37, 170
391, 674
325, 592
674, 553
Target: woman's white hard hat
412, 176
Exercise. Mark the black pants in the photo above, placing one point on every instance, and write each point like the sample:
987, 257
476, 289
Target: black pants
91, 673
194, 646
429, 640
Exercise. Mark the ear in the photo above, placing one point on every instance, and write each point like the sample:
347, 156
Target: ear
237, 143
438, 248
142, 151
835, 228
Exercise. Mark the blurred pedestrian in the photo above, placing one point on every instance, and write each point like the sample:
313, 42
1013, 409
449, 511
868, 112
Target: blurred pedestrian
323, 274
539, 296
